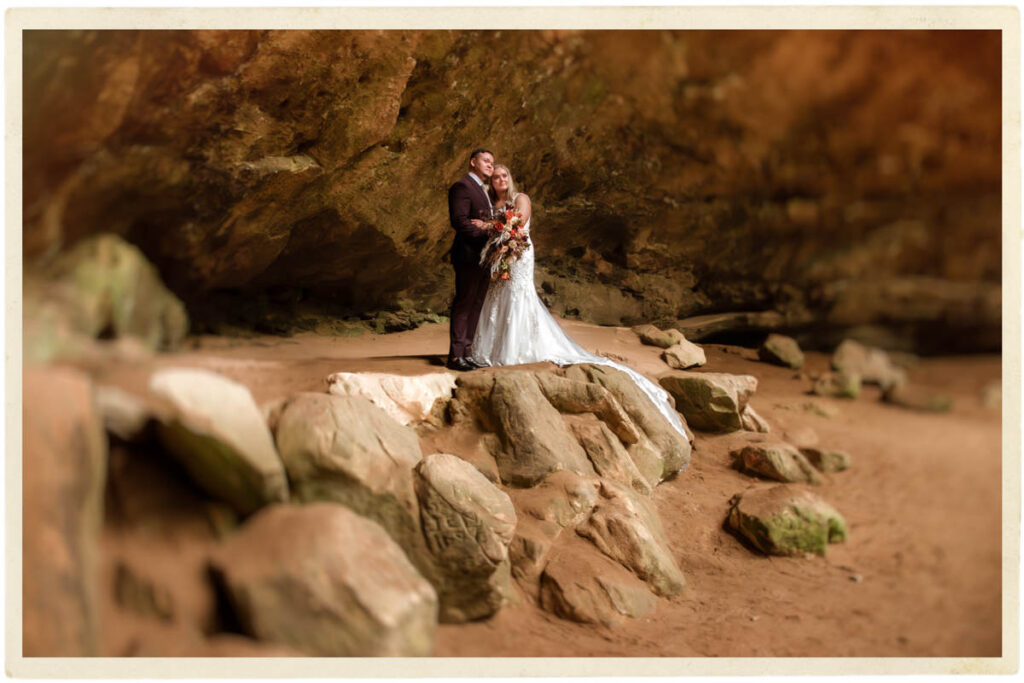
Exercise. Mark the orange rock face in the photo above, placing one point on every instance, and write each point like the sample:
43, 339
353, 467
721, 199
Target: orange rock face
672, 172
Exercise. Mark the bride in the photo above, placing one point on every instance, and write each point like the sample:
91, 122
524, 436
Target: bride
516, 328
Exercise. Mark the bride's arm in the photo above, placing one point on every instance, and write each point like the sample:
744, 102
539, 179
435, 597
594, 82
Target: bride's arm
523, 206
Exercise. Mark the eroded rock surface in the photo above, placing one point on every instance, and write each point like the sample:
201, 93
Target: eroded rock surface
468, 524
832, 194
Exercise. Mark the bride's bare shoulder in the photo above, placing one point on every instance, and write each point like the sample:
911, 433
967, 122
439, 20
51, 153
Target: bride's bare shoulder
523, 198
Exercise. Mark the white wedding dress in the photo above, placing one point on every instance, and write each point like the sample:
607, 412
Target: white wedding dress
516, 328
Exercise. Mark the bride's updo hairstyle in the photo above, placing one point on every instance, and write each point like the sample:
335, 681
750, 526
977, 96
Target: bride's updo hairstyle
511, 185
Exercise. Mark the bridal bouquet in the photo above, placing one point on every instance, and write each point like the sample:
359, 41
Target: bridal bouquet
506, 244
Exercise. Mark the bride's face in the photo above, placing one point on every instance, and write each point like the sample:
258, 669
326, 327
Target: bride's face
499, 181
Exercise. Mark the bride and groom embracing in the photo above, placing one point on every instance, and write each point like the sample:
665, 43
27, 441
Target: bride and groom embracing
503, 321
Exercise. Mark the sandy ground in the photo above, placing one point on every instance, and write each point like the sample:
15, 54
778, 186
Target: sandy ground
919, 576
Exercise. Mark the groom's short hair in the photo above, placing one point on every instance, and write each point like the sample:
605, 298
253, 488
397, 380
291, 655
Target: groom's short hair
478, 151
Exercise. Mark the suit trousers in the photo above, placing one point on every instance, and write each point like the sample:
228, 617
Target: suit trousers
471, 282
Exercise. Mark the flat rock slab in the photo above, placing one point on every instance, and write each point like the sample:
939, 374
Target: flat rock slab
214, 428
781, 350
468, 524
711, 401
407, 399
64, 460
778, 460
783, 520
702, 326
328, 582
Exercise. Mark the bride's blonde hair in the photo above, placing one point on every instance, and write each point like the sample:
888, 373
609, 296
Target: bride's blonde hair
511, 194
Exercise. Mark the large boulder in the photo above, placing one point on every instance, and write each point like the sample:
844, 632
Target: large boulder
778, 460
468, 524
711, 401
346, 450
105, 287
626, 528
581, 584
328, 582
64, 458
664, 451
407, 399
535, 440
781, 350
872, 365
214, 428
781, 520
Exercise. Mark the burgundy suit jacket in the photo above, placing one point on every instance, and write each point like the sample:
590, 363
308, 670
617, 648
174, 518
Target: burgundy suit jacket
466, 201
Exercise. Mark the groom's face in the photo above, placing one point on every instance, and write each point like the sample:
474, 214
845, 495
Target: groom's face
483, 165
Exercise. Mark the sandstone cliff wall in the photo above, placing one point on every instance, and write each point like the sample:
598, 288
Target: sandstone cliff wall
844, 179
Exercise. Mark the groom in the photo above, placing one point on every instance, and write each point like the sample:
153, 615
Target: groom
468, 208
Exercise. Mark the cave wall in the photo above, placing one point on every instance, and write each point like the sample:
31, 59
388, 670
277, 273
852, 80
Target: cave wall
673, 173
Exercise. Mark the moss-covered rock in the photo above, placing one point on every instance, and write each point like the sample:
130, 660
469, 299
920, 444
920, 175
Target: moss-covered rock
781, 520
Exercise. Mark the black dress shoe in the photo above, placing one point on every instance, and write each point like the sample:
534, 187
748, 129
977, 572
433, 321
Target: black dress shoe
459, 364
477, 364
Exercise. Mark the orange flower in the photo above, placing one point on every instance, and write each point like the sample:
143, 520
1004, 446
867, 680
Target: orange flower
506, 276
